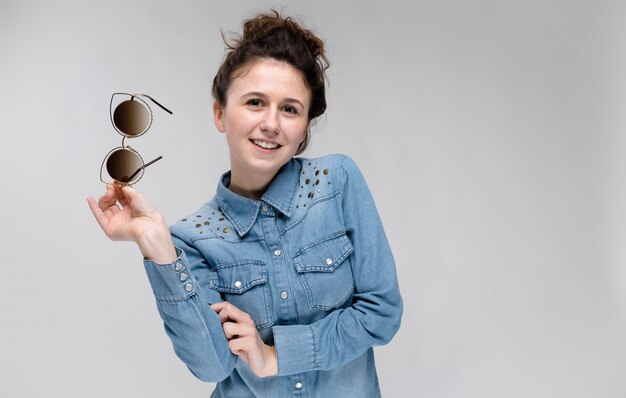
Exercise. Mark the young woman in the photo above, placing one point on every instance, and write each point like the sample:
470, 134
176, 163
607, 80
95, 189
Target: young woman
284, 281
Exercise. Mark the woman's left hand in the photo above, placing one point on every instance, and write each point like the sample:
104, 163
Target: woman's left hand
244, 340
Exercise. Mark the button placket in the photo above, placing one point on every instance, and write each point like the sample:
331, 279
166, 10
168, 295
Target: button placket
277, 257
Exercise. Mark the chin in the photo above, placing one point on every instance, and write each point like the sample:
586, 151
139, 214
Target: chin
268, 166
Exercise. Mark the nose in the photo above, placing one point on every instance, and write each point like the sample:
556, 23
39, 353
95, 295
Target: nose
269, 124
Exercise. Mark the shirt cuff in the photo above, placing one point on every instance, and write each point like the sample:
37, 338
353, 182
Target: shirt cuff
295, 349
170, 282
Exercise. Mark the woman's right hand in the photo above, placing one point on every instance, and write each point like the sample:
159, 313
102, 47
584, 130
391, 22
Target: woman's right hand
125, 214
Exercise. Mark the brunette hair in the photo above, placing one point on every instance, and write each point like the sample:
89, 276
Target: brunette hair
281, 38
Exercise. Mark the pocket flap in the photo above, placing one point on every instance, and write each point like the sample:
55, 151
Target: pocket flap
323, 255
238, 277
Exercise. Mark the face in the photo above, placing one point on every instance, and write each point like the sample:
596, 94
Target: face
265, 119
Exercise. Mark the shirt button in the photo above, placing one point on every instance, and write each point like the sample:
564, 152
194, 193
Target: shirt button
237, 284
189, 287
183, 276
277, 252
298, 385
178, 266
329, 261
284, 295
264, 208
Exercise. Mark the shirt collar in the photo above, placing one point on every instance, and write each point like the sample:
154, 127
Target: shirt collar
242, 212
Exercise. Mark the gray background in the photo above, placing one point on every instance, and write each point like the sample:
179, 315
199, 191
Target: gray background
491, 134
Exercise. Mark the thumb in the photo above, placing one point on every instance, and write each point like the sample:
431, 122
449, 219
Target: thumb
126, 194
129, 192
137, 200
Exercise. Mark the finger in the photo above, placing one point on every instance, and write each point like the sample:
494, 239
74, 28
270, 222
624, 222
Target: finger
108, 199
232, 330
228, 311
223, 315
226, 314
113, 210
103, 220
237, 347
108, 207
219, 308
120, 196
122, 199
129, 192
238, 330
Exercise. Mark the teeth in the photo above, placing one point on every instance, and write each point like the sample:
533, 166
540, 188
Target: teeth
266, 145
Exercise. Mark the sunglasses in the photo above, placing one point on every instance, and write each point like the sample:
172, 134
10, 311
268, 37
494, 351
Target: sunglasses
132, 117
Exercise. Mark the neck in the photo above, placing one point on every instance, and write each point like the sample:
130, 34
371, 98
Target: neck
251, 187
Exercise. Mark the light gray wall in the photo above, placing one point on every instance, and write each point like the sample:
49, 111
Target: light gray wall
491, 133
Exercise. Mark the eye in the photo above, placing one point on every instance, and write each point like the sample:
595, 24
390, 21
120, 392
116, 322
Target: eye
290, 109
255, 102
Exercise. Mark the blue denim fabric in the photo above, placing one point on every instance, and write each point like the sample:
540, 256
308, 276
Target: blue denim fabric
309, 262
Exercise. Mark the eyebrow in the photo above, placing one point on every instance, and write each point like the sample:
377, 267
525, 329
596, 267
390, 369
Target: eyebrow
260, 94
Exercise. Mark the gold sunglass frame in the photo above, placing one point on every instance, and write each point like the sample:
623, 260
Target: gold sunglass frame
132, 103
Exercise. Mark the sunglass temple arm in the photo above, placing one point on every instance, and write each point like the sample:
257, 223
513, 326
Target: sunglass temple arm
143, 167
161, 106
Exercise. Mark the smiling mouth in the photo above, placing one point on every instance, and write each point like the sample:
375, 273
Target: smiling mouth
265, 144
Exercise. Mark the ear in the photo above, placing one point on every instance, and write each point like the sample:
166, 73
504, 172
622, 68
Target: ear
218, 114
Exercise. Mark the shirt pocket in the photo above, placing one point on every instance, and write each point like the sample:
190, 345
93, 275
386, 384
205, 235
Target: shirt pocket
324, 270
244, 284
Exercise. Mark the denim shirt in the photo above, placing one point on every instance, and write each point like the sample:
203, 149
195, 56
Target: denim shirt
309, 262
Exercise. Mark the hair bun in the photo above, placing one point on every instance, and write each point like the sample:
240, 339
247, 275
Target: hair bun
264, 25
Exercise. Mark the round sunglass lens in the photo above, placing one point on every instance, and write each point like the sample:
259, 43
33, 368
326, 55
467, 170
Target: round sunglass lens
123, 164
131, 117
